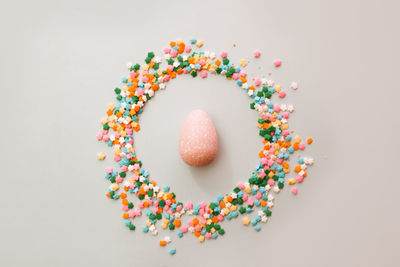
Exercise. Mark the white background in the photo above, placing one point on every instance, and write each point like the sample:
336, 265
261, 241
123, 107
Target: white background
61, 60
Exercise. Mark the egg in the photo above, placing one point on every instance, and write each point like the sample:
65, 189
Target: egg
198, 141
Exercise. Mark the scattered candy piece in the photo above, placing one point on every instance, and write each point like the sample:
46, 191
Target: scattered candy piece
257, 53
243, 62
101, 156
277, 62
246, 221
294, 190
309, 141
172, 251
294, 86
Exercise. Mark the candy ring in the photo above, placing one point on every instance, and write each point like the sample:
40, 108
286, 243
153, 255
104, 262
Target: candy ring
160, 205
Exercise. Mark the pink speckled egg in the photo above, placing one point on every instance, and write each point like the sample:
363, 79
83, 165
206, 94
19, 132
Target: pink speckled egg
198, 141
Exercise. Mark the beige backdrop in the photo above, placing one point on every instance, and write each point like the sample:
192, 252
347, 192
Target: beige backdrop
61, 61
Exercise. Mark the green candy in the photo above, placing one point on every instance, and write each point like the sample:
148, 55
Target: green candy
150, 54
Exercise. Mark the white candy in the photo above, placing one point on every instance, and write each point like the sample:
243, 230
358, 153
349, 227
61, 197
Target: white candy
162, 86
264, 81
276, 189
157, 60
264, 219
167, 239
294, 86
270, 204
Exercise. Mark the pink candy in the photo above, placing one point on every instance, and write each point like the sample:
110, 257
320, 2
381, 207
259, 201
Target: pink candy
224, 54
282, 94
257, 53
203, 74
294, 190
277, 62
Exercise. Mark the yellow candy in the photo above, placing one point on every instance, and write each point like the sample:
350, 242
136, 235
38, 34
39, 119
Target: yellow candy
104, 120
247, 190
292, 181
101, 156
285, 126
297, 139
233, 208
114, 187
201, 238
246, 221
164, 226
148, 223
226, 211
243, 62
117, 151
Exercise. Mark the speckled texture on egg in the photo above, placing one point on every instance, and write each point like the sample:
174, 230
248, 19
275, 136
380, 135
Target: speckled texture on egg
198, 141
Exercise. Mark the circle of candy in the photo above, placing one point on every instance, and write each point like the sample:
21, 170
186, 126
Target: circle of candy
161, 205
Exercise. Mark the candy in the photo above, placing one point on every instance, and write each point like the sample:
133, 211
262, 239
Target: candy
257, 53
172, 251
294, 86
101, 156
294, 190
158, 203
198, 142
277, 62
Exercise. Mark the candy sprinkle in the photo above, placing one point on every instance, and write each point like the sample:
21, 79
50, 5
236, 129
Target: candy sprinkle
101, 156
277, 62
141, 195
